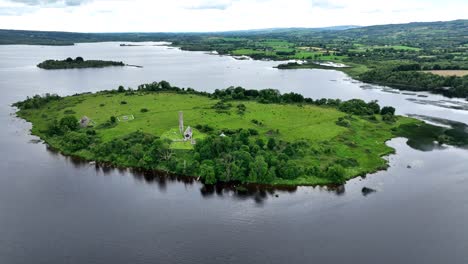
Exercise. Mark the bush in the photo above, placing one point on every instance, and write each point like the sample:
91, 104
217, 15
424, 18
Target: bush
69, 112
256, 122
342, 122
91, 132
348, 162
387, 110
75, 141
336, 173
241, 109
359, 107
222, 106
204, 128
388, 118
253, 132
69, 123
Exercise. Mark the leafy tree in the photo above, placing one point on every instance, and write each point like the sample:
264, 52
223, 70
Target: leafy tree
165, 85
162, 148
69, 123
54, 129
75, 141
258, 170
387, 110
244, 136
374, 107
388, 118
289, 170
271, 144
207, 172
336, 173
260, 143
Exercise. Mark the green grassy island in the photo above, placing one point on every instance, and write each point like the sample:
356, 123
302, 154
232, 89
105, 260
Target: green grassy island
77, 63
231, 135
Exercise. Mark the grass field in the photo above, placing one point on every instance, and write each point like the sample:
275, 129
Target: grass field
295, 122
270, 48
363, 48
449, 72
363, 140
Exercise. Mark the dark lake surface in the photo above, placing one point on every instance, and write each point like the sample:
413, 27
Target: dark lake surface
57, 210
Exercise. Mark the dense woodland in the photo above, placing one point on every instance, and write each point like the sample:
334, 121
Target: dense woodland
78, 62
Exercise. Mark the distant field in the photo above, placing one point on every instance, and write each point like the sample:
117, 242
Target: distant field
450, 72
363, 48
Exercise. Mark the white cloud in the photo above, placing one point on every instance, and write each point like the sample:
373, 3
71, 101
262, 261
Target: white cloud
217, 15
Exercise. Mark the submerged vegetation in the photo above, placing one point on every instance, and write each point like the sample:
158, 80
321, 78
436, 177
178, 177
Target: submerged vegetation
78, 62
240, 135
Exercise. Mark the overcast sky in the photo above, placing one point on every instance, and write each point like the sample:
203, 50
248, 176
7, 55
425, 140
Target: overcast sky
217, 15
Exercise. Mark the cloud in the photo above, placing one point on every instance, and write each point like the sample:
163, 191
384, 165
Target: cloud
327, 4
217, 15
211, 4
15, 11
54, 3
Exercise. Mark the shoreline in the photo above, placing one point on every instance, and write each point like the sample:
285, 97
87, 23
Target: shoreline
368, 165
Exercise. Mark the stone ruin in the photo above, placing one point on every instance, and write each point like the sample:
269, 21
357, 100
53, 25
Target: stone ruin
84, 121
188, 132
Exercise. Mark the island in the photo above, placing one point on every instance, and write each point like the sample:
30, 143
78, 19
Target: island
231, 135
77, 63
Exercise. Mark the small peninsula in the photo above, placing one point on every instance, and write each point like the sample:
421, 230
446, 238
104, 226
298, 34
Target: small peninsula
230, 135
77, 63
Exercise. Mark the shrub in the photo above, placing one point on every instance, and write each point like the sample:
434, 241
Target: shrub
91, 132
342, 122
69, 112
204, 128
256, 122
388, 118
387, 110
359, 107
75, 141
222, 106
69, 123
241, 109
336, 173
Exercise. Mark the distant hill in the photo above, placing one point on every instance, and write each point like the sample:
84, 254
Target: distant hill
69, 38
417, 34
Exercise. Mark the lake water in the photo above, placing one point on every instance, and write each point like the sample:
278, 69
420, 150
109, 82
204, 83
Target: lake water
54, 209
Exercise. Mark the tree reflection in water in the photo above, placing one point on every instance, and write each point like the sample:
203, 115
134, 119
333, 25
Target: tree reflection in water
258, 193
